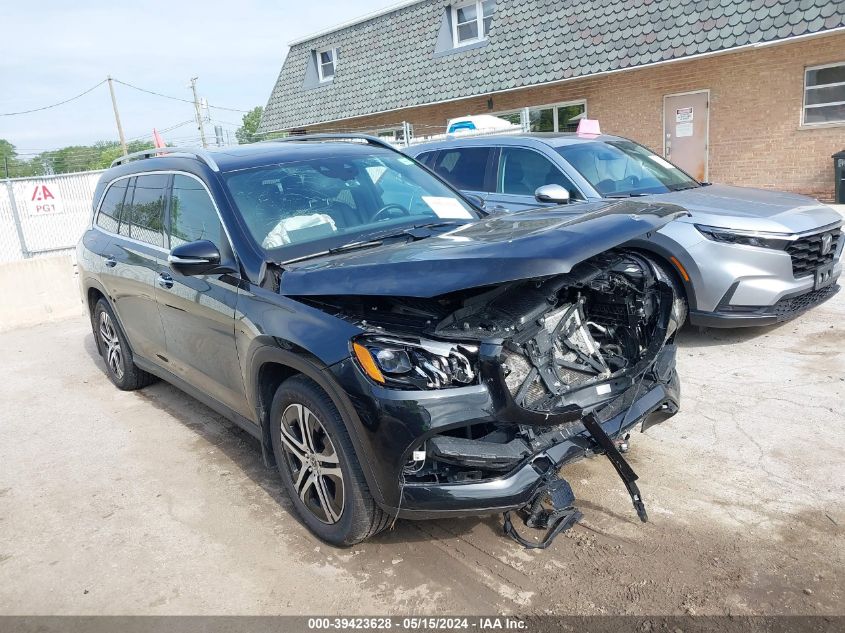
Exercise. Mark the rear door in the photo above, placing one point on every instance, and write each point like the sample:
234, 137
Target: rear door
685, 123
469, 169
520, 172
199, 312
133, 258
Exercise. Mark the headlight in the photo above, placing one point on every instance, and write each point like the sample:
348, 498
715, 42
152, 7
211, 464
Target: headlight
417, 363
744, 238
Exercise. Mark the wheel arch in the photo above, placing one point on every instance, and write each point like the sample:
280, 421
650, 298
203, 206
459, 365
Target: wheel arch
93, 293
664, 257
269, 366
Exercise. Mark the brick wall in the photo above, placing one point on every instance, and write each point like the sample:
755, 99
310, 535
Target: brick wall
755, 112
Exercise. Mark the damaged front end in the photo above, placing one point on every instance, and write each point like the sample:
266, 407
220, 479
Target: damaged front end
491, 391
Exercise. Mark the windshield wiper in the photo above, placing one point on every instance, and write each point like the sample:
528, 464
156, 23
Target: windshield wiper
352, 246
408, 231
625, 195
684, 187
372, 240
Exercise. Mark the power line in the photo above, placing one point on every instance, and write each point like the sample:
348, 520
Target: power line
55, 105
158, 94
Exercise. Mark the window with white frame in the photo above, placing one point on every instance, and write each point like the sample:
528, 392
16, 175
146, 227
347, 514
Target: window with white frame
824, 94
471, 21
557, 117
326, 60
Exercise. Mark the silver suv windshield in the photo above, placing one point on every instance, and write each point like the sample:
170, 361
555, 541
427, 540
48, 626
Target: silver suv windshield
329, 201
624, 168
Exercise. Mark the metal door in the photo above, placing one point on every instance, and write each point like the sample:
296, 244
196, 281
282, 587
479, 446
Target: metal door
685, 130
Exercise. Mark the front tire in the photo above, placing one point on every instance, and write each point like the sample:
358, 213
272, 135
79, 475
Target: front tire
115, 351
318, 465
680, 308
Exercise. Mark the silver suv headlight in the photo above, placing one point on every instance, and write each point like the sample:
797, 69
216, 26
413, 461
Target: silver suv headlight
416, 363
761, 239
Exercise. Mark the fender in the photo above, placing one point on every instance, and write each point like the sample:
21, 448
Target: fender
666, 248
308, 365
89, 283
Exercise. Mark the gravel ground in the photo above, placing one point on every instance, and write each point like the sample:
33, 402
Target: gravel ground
149, 503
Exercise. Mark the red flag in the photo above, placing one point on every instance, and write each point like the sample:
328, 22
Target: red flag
157, 140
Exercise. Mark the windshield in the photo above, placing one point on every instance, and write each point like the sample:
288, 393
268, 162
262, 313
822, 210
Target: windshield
311, 205
619, 168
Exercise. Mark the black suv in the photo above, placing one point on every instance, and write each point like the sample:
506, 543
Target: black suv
395, 350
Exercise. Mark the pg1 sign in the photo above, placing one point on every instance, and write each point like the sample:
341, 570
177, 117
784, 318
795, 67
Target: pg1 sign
43, 199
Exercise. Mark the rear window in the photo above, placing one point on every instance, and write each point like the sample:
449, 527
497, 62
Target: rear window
426, 157
465, 168
143, 219
109, 216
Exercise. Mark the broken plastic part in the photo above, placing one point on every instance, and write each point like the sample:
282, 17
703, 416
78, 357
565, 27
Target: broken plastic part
562, 515
626, 473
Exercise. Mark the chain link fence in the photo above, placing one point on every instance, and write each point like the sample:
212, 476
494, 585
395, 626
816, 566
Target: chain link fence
44, 215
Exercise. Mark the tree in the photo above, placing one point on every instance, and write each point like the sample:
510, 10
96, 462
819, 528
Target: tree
65, 160
10, 163
247, 133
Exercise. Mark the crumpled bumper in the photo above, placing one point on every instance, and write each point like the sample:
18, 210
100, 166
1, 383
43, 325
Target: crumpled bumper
393, 422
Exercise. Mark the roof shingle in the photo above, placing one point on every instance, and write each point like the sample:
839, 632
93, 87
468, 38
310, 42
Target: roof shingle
388, 62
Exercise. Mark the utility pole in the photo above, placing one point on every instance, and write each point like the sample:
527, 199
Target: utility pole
117, 117
197, 109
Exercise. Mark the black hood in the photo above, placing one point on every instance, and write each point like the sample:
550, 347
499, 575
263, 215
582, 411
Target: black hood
497, 249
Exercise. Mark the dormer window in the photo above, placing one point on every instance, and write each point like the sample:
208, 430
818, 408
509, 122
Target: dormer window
471, 21
326, 60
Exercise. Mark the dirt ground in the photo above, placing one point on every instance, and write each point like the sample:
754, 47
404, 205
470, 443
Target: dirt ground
149, 503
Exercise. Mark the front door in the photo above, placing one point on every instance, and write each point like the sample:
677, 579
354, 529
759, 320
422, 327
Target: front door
199, 312
685, 130
520, 172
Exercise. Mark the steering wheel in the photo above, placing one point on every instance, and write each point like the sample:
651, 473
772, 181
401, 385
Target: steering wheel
389, 207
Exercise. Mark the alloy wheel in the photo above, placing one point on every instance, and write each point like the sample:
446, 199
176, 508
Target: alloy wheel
313, 463
113, 352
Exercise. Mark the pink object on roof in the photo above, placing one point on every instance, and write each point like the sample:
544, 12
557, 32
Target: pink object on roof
589, 128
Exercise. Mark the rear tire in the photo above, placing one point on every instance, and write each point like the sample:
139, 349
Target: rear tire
114, 348
318, 465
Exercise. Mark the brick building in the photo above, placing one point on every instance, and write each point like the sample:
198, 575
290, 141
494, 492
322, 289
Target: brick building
753, 91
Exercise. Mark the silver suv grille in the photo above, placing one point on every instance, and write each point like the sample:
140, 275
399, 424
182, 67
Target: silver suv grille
807, 255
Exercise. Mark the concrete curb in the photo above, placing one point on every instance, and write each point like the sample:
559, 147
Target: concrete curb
38, 290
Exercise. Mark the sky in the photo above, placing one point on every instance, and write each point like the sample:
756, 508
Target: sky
59, 49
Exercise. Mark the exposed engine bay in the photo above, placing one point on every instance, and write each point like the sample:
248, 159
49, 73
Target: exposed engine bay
560, 356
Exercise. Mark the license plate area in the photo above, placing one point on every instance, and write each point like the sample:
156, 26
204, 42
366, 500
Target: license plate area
824, 276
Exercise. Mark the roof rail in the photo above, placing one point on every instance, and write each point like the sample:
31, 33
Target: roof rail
199, 154
372, 140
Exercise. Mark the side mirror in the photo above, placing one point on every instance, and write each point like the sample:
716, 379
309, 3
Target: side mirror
194, 258
552, 193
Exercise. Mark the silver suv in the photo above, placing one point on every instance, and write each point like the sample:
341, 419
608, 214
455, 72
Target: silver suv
744, 256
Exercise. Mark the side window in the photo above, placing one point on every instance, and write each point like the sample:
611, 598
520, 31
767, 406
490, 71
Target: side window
143, 218
522, 171
464, 167
192, 214
426, 157
109, 216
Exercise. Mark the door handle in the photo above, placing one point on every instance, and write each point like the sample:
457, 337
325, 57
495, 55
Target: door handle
165, 281
111, 262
